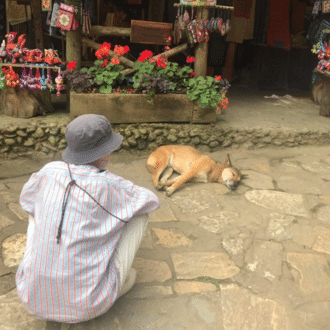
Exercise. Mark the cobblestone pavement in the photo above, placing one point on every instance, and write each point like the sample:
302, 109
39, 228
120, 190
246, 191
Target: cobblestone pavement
257, 258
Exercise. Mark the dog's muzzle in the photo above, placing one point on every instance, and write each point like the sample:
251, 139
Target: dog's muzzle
232, 185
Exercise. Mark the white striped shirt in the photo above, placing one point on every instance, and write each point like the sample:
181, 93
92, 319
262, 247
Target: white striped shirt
75, 280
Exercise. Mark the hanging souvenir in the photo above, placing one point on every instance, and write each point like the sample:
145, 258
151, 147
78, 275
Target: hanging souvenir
65, 17
49, 79
30, 80
22, 80
37, 78
46, 5
12, 78
56, 9
325, 7
59, 83
200, 30
228, 21
186, 17
43, 81
3, 53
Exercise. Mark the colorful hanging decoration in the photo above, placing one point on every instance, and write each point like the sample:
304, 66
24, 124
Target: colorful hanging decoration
59, 83
3, 53
46, 5
30, 80
65, 17
37, 78
12, 78
22, 80
43, 81
14, 50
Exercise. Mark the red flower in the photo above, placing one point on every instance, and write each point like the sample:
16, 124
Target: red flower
218, 78
160, 63
169, 38
3, 70
71, 65
119, 50
192, 74
190, 59
126, 49
115, 60
104, 64
145, 55
98, 54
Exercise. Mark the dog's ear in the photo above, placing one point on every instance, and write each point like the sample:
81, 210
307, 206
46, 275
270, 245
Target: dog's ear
228, 161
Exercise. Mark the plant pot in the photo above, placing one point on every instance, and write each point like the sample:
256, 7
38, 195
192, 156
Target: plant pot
134, 108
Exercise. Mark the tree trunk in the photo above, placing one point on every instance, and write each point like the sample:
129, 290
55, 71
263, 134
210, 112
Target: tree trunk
24, 103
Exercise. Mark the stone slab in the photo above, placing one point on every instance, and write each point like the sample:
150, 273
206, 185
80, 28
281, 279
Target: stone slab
163, 214
242, 310
171, 238
218, 222
233, 246
278, 201
315, 167
17, 209
13, 248
14, 316
151, 270
185, 287
322, 241
295, 185
149, 292
5, 221
7, 283
195, 202
302, 234
306, 266
323, 214
265, 259
257, 180
146, 242
196, 264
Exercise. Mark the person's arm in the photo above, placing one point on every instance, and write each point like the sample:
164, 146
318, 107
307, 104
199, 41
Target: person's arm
28, 195
142, 200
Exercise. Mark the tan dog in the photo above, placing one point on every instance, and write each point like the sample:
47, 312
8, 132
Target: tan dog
192, 165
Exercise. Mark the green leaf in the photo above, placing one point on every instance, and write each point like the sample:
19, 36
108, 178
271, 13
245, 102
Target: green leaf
106, 89
83, 70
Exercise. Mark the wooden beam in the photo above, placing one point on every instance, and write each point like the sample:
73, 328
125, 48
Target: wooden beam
167, 54
96, 46
98, 30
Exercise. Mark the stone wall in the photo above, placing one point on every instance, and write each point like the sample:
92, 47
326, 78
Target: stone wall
50, 138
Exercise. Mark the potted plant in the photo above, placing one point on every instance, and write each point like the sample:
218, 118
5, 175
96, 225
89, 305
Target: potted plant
159, 91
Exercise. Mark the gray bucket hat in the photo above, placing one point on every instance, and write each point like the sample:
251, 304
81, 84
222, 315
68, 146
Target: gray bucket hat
89, 137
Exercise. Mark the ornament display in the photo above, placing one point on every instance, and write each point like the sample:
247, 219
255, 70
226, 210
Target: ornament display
14, 50
3, 53
12, 78
43, 81
59, 83
65, 17
23, 78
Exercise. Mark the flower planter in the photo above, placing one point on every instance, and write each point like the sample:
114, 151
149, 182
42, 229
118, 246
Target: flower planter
134, 108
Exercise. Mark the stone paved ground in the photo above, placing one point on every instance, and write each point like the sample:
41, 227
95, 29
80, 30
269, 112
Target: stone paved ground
257, 258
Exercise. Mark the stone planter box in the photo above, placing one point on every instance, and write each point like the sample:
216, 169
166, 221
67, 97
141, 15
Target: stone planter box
134, 108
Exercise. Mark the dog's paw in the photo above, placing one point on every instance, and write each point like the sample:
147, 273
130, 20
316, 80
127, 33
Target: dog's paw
169, 191
159, 186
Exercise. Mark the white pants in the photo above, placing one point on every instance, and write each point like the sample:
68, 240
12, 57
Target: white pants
127, 247
125, 252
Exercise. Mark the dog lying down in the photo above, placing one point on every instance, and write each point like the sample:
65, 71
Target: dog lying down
192, 165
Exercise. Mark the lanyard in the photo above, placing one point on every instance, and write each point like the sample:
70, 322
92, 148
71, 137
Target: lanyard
65, 201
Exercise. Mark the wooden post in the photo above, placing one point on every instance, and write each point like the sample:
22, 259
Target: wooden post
36, 12
229, 64
73, 47
201, 51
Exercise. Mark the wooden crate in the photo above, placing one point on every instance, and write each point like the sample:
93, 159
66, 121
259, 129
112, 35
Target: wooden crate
134, 108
